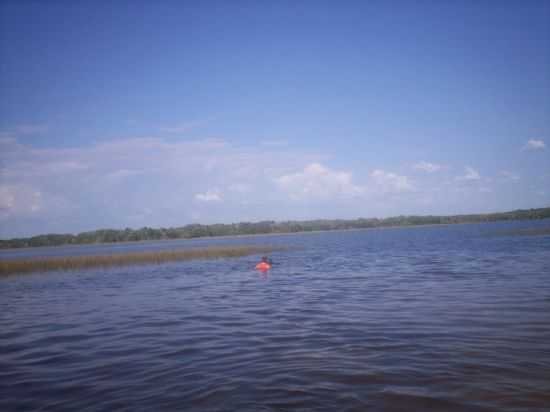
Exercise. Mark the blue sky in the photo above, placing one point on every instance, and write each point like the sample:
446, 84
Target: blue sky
139, 114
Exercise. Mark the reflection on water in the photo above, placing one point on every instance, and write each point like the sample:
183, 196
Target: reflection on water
439, 318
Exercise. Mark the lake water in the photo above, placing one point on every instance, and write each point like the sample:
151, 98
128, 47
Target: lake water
449, 318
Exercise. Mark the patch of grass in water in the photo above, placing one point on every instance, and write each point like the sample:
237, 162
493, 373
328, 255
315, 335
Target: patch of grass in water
19, 266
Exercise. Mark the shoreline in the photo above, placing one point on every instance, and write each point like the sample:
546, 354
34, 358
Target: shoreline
253, 235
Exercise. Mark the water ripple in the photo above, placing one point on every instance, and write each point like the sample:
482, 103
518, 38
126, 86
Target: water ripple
384, 320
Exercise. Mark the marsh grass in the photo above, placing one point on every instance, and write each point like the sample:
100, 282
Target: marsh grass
9, 267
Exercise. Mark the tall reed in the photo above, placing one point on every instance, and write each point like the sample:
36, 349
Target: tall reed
15, 266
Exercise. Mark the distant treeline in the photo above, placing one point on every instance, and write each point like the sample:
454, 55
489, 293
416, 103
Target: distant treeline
246, 228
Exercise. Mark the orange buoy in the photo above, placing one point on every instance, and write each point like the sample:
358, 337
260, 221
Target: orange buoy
263, 266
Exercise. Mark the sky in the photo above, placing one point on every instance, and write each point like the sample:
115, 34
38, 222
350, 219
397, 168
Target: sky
132, 114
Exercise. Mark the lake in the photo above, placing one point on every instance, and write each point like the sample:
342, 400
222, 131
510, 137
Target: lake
441, 318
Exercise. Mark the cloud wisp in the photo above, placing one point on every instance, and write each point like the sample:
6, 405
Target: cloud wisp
151, 181
316, 181
534, 144
212, 195
427, 167
388, 182
471, 174
135, 181
507, 175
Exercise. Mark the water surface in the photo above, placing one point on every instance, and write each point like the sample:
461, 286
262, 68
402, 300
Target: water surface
435, 318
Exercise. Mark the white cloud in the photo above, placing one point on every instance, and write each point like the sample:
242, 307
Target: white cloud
209, 196
110, 184
19, 200
471, 174
318, 182
427, 167
505, 174
533, 144
390, 182
89, 187
7, 199
160, 182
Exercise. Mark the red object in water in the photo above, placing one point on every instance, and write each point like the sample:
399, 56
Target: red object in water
263, 266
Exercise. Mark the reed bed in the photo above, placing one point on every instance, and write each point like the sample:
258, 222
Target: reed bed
9, 267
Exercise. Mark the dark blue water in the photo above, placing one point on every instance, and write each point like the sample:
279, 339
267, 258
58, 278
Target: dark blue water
450, 318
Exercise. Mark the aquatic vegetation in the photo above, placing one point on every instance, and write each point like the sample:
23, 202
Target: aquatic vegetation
16, 266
